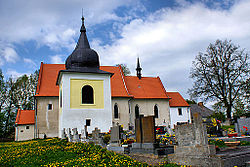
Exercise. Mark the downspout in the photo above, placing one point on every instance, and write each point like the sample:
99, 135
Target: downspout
35, 102
129, 110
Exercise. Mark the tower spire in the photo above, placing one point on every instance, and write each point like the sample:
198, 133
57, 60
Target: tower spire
83, 40
138, 69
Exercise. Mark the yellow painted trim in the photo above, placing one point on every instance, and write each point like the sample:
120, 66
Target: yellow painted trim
76, 86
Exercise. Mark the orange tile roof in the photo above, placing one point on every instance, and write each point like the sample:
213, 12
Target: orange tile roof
177, 100
48, 74
118, 86
146, 87
121, 86
25, 117
47, 79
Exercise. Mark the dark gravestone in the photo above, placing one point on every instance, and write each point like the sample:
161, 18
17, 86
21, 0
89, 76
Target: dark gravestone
145, 129
145, 135
148, 129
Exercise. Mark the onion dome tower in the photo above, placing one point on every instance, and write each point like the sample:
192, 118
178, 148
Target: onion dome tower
83, 58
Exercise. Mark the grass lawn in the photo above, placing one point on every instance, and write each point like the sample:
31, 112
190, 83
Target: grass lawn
56, 152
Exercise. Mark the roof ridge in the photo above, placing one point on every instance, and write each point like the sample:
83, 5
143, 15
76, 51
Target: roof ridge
18, 116
162, 87
123, 79
39, 79
141, 77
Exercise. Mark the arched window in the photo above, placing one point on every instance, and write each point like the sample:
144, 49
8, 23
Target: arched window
87, 95
137, 114
116, 114
156, 112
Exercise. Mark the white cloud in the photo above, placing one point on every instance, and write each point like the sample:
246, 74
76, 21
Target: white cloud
169, 39
57, 59
52, 23
29, 62
13, 73
9, 54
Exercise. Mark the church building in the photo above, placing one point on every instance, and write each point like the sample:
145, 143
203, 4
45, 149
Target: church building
81, 93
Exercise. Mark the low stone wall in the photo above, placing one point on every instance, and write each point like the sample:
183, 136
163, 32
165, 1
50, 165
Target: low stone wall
228, 158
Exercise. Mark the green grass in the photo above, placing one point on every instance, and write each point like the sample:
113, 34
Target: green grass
226, 127
56, 152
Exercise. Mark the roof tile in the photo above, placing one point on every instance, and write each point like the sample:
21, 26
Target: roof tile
146, 87
177, 100
25, 117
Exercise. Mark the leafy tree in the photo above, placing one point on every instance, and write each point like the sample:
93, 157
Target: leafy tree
10, 106
14, 94
221, 73
26, 88
125, 69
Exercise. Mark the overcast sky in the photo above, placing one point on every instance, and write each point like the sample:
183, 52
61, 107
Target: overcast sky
165, 34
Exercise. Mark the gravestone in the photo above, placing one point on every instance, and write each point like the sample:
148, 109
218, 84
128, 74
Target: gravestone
193, 148
69, 135
145, 135
76, 137
96, 137
64, 134
83, 134
96, 134
115, 140
242, 126
115, 136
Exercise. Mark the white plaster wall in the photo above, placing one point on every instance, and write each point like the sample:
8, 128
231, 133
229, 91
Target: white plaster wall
175, 117
123, 110
47, 120
76, 118
24, 134
146, 108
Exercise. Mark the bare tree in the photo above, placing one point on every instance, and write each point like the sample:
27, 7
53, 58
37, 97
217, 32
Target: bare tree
221, 73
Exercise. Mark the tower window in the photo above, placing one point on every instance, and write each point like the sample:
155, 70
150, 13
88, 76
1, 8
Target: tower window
49, 106
156, 113
87, 95
179, 111
27, 127
137, 114
116, 113
88, 122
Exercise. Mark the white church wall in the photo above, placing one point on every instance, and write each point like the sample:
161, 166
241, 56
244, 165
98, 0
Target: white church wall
146, 108
24, 132
47, 119
123, 110
175, 117
76, 118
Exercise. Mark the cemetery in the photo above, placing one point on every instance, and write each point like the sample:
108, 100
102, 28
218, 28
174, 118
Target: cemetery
187, 144
92, 115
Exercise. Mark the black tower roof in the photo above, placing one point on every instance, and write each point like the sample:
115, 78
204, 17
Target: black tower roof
138, 69
83, 58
